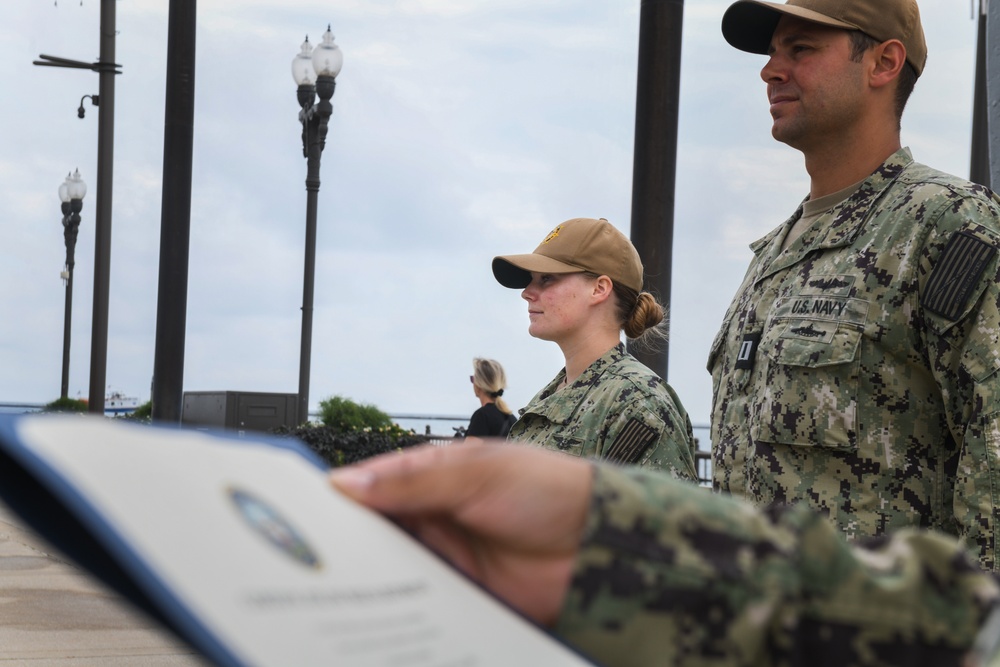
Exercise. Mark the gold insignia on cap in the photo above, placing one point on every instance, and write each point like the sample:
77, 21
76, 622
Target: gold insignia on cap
554, 233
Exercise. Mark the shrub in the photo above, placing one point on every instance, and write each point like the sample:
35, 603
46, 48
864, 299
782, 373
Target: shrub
66, 405
351, 432
338, 448
143, 413
345, 416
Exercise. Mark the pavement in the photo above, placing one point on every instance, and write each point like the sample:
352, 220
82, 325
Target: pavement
52, 614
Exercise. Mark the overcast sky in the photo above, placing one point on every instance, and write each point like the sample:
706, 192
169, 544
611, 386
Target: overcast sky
462, 129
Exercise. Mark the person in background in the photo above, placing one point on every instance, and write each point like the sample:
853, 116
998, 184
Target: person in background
583, 287
493, 418
636, 569
857, 368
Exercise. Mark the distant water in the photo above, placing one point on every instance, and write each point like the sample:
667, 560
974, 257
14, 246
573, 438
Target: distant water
438, 425
421, 424
17, 408
21, 408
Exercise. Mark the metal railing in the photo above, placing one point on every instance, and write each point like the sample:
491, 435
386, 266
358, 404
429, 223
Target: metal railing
438, 436
434, 427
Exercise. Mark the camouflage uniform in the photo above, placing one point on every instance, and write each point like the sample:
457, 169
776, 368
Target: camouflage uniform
617, 410
857, 370
670, 575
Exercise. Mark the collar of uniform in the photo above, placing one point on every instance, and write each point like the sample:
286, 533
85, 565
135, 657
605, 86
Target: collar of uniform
766, 241
848, 217
550, 403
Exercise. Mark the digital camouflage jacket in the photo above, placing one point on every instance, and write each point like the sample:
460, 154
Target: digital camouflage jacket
671, 574
618, 410
857, 370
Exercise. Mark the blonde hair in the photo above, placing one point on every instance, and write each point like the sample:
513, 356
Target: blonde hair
488, 375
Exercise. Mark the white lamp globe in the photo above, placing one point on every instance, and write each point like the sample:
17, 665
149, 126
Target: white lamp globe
77, 188
302, 65
327, 58
64, 190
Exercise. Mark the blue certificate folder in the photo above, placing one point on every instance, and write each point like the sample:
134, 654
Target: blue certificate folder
241, 547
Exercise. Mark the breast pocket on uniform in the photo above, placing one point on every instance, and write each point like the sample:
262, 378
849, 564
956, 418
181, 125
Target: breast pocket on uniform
807, 393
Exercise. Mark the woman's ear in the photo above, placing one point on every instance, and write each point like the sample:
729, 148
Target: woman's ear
603, 288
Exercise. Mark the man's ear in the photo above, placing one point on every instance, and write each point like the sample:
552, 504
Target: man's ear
889, 57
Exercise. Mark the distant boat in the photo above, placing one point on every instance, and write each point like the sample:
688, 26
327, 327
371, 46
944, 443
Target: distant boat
117, 402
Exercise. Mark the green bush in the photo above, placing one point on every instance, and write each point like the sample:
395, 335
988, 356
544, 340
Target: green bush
66, 405
351, 432
343, 415
143, 413
338, 448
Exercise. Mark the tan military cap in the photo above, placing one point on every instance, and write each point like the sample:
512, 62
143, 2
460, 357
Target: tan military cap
749, 24
575, 246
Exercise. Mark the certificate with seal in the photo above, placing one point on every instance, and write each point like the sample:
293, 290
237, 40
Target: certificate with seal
241, 547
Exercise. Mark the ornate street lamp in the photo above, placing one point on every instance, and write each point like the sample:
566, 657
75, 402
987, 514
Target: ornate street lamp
315, 71
107, 69
71, 194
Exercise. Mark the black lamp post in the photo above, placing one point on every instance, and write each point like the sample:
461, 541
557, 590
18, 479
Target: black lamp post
107, 69
315, 71
71, 194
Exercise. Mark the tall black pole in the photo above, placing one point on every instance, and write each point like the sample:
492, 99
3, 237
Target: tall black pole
175, 213
979, 168
71, 227
102, 213
315, 121
308, 283
655, 153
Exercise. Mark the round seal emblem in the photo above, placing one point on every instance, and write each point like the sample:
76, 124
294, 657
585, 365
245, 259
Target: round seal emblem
266, 521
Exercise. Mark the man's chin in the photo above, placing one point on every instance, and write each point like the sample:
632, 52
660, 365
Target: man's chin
785, 135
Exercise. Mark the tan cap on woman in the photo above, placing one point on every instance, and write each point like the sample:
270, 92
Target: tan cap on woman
575, 246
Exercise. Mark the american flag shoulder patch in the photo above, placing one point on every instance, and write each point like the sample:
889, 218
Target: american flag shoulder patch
632, 443
955, 274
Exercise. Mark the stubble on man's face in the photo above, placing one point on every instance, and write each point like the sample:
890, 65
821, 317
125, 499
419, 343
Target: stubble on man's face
813, 87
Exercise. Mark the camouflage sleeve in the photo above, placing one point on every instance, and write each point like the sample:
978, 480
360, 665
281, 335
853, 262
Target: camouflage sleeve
651, 432
670, 573
961, 302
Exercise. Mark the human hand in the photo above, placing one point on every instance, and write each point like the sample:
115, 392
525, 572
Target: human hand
510, 517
